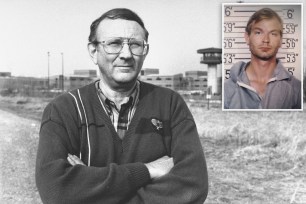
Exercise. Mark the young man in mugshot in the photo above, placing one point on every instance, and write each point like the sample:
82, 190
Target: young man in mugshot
262, 83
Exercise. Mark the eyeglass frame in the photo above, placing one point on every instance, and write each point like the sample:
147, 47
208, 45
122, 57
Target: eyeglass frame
124, 41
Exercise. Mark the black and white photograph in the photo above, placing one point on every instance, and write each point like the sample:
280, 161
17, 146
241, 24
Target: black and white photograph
124, 102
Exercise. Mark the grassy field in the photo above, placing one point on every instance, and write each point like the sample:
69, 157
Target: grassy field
252, 157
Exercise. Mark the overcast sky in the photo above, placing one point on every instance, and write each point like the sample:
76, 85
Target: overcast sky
178, 28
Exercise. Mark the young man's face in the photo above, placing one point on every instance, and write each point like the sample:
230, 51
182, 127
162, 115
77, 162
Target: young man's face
265, 39
124, 67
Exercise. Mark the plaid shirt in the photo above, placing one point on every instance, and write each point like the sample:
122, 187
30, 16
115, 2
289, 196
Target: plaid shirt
122, 117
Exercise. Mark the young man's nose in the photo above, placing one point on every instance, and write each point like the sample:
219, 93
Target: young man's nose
266, 38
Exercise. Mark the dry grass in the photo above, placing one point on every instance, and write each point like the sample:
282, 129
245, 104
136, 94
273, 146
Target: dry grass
254, 157
26, 107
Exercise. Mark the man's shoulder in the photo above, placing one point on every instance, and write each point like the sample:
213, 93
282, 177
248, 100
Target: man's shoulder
66, 97
284, 74
295, 83
158, 89
236, 70
157, 93
89, 88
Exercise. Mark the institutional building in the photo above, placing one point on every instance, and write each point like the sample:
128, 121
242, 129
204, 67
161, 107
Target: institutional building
78, 79
170, 81
193, 80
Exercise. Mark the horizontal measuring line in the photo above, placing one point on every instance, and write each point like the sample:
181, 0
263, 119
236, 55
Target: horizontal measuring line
239, 53
288, 63
236, 53
234, 21
239, 48
244, 11
233, 32
240, 16
232, 37
248, 11
286, 52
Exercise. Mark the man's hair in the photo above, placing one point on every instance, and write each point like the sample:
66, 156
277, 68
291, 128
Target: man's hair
117, 13
262, 14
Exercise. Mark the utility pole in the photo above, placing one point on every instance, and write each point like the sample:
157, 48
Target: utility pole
63, 79
48, 71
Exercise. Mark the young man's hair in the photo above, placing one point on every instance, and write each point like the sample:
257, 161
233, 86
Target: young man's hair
117, 13
262, 14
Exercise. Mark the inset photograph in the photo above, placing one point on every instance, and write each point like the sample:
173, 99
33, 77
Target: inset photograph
262, 56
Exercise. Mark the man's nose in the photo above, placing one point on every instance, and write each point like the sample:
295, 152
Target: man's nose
125, 52
266, 38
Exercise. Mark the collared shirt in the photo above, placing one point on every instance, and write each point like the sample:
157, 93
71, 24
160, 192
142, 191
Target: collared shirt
122, 117
283, 90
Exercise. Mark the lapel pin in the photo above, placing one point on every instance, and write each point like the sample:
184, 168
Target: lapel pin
157, 123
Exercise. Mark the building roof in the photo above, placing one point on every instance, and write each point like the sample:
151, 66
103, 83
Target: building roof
209, 50
158, 75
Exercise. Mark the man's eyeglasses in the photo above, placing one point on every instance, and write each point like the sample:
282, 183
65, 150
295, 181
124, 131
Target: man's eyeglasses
115, 45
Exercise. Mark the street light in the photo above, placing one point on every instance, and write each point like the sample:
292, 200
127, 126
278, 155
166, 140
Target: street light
48, 70
62, 71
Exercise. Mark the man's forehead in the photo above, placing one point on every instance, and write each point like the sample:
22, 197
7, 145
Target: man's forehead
120, 28
271, 22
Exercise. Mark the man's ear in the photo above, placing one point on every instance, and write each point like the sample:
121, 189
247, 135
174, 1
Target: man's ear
92, 50
247, 38
148, 49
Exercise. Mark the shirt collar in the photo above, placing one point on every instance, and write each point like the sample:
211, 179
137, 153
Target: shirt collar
280, 73
133, 98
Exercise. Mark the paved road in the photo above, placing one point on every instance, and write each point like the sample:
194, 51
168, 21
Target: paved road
19, 138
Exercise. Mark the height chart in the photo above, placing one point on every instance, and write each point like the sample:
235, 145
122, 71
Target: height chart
235, 18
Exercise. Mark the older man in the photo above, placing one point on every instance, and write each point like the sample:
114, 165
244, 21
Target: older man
120, 140
262, 83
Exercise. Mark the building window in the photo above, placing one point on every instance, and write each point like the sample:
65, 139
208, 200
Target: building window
158, 78
168, 85
168, 79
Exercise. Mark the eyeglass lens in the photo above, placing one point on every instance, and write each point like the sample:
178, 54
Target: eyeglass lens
115, 45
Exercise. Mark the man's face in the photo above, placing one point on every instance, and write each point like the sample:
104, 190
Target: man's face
124, 67
265, 39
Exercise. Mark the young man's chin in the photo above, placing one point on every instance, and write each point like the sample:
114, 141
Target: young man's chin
264, 57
